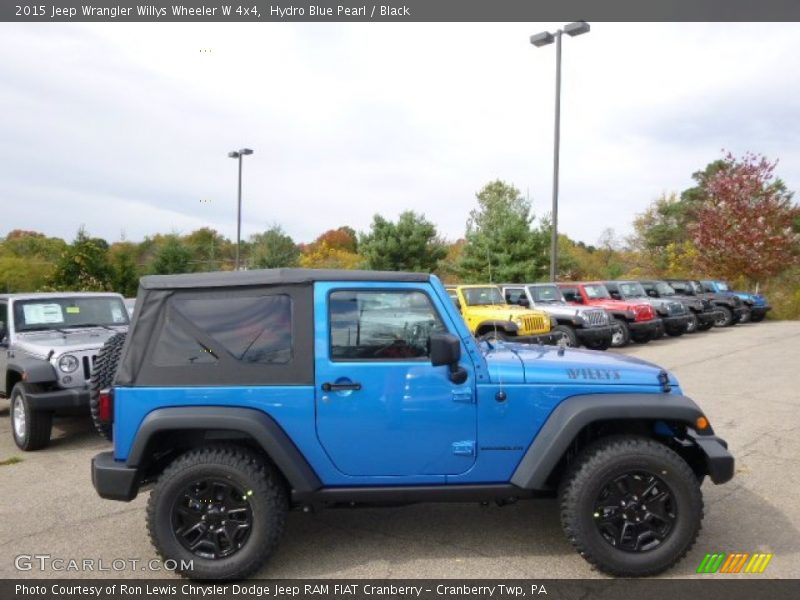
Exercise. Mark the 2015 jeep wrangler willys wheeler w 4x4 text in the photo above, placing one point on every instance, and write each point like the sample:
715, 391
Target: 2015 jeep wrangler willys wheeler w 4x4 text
241, 395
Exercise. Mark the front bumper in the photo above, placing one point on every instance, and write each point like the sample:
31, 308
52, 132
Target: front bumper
644, 328
544, 338
595, 334
719, 463
114, 480
64, 399
760, 311
738, 312
677, 323
706, 317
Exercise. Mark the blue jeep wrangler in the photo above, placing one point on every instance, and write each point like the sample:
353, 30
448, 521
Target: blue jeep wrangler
756, 305
239, 396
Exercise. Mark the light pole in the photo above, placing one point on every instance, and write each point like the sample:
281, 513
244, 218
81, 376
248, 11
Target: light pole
543, 39
239, 154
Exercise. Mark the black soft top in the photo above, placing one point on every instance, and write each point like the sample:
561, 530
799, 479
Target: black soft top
272, 277
155, 310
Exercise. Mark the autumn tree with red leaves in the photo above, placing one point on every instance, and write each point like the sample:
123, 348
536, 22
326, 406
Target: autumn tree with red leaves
744, 224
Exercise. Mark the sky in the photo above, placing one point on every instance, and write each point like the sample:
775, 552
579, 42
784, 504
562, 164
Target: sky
124, 128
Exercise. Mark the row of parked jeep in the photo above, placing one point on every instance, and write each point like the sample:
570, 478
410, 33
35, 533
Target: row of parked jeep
603, 314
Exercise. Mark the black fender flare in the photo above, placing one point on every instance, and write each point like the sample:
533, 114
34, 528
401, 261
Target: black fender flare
255, 423
576, 412
31, 370
500, 325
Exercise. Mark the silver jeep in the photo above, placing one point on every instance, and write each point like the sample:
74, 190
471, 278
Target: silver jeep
48, 345
592, 327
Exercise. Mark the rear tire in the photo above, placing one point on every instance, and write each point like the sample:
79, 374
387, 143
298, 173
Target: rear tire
622, 334
31, 428
631, 506
105, 369
226, 502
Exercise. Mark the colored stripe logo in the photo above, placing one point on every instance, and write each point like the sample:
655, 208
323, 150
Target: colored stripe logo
736, 562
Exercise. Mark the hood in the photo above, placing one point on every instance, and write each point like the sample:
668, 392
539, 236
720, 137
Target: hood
506, 312
41, 343
525, 363
756, 299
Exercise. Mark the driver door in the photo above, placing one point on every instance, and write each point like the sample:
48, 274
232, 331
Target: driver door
382, 408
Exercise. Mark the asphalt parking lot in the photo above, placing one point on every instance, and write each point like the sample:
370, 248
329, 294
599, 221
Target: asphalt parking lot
745, 378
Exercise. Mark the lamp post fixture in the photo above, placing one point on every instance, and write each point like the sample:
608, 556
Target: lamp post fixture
239, 154
543, 39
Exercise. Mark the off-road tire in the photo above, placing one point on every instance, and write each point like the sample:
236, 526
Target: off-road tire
726, 319
492, 335
568, 332
705, 326
38, 424
625, 331
601, 463
269, 505
746, 316
693, 324
105, 368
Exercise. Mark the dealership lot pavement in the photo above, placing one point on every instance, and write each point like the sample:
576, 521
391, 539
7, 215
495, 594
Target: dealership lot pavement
746, 379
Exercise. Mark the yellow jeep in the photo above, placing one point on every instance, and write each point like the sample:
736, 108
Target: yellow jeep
488, 316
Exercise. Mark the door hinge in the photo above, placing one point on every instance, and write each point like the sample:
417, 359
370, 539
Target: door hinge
463, 396
465, 448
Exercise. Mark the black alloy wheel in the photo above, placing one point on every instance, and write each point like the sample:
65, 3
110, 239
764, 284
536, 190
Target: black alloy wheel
212, 518
635, 512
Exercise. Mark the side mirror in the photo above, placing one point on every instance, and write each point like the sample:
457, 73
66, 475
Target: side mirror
615, 295
652, 293
3, 334
523, 301
446, 351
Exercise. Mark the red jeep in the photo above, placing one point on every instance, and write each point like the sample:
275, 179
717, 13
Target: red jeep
636, 321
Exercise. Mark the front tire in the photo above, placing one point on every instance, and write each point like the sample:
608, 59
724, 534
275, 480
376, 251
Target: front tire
567, 333
631, 506
622, 334
221, 507
31, 428
724, 317
746, 317
693, 323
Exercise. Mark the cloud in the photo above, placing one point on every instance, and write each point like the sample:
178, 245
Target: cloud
126, 126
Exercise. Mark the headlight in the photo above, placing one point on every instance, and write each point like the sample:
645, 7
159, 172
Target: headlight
68, 363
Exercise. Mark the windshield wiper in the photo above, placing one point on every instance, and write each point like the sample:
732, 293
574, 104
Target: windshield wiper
41, 328
88, 325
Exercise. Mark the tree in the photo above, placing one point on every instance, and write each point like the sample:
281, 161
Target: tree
745, 226
210, 250
320, 255
125, 274
172, 256
343, 238
662, 230
83, 265
500, 240
273, 249
410, 244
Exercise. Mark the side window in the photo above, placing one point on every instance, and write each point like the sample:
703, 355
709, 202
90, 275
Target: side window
513, 295
255, 329
571, 294
367, 325
3, 320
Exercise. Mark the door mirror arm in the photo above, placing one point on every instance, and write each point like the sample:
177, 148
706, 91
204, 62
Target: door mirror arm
445, 350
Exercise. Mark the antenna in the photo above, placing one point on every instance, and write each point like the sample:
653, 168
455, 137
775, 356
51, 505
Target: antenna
500, 396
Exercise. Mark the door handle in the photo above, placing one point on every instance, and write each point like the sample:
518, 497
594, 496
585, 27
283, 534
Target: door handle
340, 387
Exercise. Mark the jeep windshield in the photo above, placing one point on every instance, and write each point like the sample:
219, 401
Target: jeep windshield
722, 286
60, 314
483, 296
545, 293
596, 292
664, 289
632, 290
